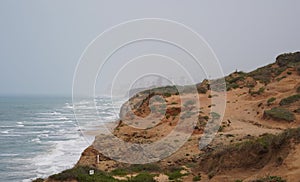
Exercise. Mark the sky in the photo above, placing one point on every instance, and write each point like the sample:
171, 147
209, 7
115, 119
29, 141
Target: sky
41, 41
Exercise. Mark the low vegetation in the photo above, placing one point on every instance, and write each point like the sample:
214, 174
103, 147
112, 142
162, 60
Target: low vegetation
142, 177
232, 82
175, 173
271, 100
253, 152
258, 92
270, 179
290, 100
81, 173
280, 78
197, 178
279, 113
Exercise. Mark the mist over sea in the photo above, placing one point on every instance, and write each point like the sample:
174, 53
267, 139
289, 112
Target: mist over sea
40, 136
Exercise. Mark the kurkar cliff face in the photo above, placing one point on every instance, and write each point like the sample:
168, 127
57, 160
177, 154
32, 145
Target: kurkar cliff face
258, 137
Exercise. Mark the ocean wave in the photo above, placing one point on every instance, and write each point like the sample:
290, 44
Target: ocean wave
7, 126
8, 155
7, 131
11, 135
44, 126
61, 118
43, 135
54, 113
61, 156
36, 140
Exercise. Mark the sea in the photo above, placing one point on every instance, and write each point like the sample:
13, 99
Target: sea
40, 136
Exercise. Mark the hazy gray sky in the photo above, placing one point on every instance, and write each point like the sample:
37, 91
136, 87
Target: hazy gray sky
41, 41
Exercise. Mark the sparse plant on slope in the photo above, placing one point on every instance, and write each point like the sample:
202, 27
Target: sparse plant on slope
279, 114
258, 92
271, 100
175, 173
290, 100
142, 177
196, 178
270, 179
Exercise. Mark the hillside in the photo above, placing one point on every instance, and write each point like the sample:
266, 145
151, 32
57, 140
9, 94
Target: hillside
258, 140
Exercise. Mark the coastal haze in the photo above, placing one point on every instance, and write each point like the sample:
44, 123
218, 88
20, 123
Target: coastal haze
41, 41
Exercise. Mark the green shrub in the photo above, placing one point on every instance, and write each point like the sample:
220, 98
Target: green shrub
174, 173
270, 100
270, 179
280, 78
144, 168
258, 92
265, 74
201, 90
287, 59
290, 99
196, 178
298, 89
97, 178
119, 172
70, 173
289, 73
280, 114
143, 177
234, 85
81, 173
234, 80
167, 94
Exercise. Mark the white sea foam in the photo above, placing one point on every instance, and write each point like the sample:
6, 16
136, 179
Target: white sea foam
63, 155
36, 140
6, 131
8, 155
